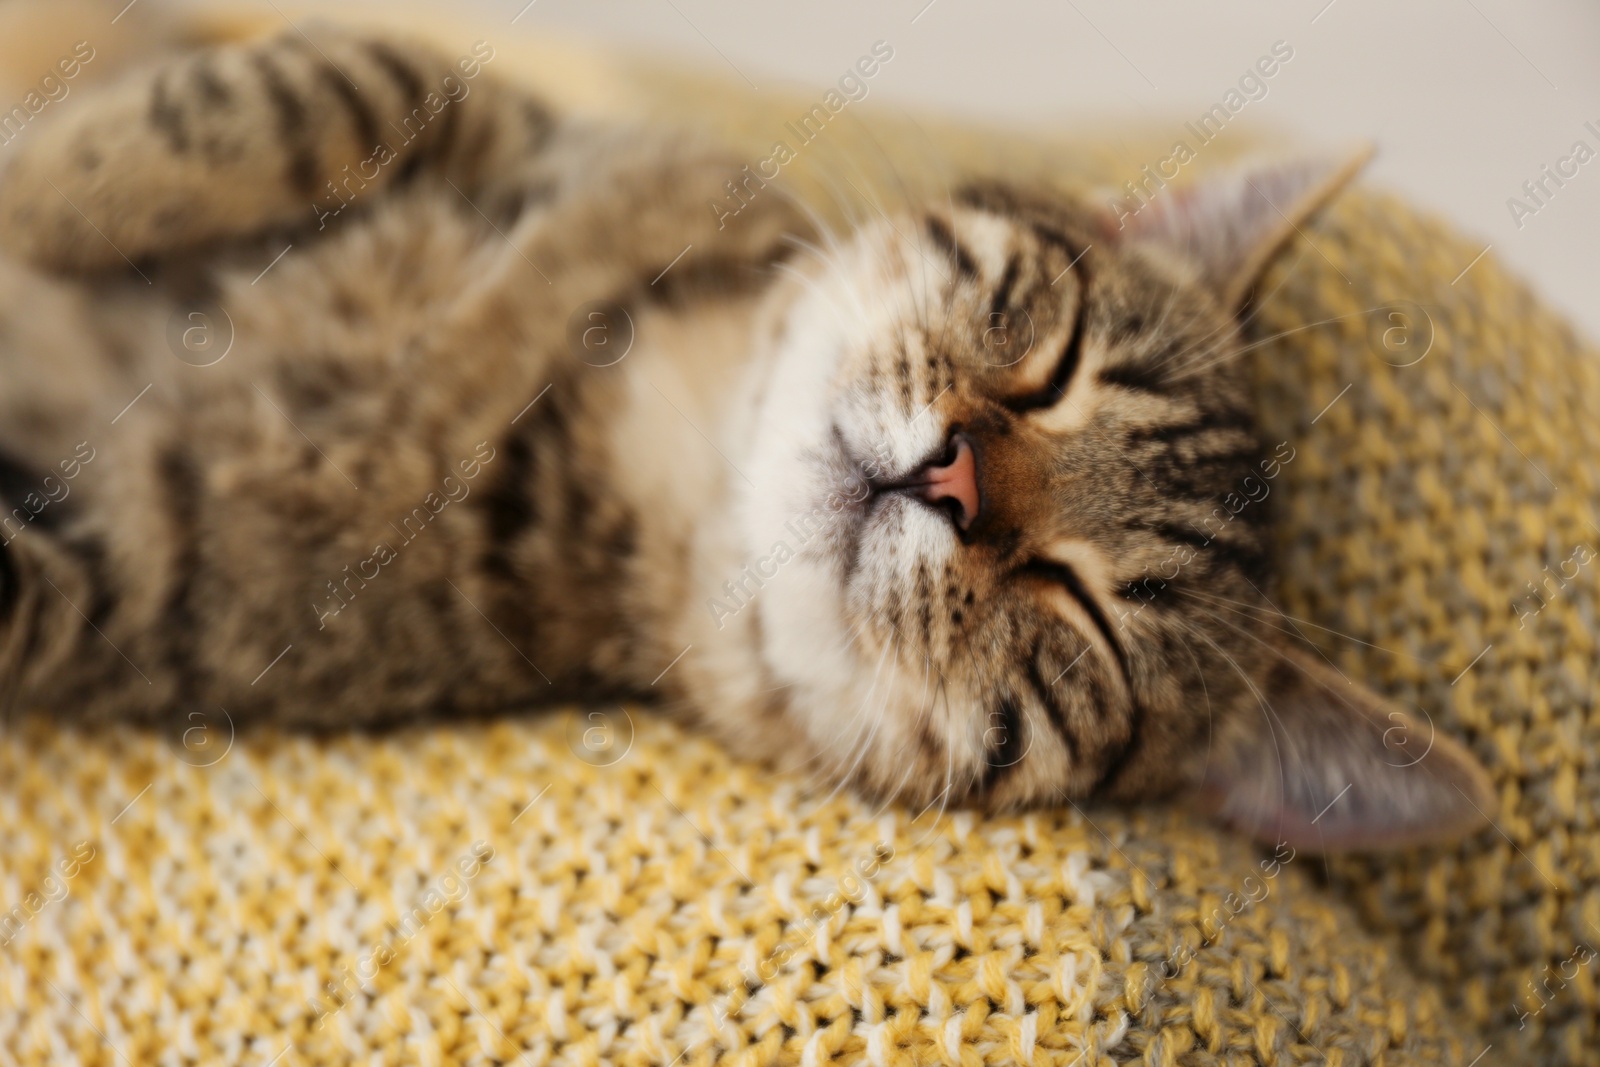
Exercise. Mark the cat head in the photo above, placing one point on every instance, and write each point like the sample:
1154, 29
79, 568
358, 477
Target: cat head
1008, 484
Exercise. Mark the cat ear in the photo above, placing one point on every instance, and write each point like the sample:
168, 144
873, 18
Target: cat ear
1230, 224
1325, 764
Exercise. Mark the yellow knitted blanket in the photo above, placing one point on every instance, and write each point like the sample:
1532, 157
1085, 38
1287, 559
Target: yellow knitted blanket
599, 887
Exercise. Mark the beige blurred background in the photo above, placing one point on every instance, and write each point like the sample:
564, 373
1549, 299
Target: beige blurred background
1467, 100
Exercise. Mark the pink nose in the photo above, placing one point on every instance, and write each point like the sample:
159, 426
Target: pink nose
955, 481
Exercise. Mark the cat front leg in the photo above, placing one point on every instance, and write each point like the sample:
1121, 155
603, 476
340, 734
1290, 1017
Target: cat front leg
226, 142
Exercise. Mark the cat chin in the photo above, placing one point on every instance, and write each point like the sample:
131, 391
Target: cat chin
795, 509
803, 517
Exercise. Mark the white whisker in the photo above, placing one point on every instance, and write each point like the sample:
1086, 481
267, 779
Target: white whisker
1305, 622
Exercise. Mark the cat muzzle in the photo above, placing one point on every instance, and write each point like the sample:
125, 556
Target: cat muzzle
948, 484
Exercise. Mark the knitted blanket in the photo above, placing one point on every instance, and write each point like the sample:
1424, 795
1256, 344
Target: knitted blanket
597, 886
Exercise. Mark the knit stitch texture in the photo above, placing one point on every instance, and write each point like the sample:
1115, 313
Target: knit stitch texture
497, 892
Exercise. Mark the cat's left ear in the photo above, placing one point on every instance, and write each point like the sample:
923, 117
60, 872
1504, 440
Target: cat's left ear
1324, 763
1229, 224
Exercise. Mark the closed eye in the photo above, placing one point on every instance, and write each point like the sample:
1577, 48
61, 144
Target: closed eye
1063, 576
1061, 377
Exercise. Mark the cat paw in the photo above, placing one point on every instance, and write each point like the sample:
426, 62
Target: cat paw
659, 204
38, 224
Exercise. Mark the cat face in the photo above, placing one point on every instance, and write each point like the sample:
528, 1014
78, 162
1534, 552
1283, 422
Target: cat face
1001, 429
1008, 485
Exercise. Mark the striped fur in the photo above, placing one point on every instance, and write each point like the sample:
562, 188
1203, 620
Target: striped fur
409, 488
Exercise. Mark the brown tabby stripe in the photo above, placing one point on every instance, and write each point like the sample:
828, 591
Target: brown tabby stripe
17, 481
902, 367
1188, 490
166, 116
1051, 236
508, 505
578, 501
1127, 329
214, 92
362, 119
852, 554
1061, 377
1143, 590
1070, 356
1000, 761
539, 123
1143, 377
947, 243
1235, 455
924, 598
621, 539
1001, 300
1168, 433
1004, 544
1183, 535
10, 590
1120, 755
1047, 700
291, 117
444, 130
400, 73
91, 552
1117, 761
405, 77
1065, 577
180, 484
1196, 482
894, 609
1256, 514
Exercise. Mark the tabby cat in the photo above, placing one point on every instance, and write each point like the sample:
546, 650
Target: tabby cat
340, 381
